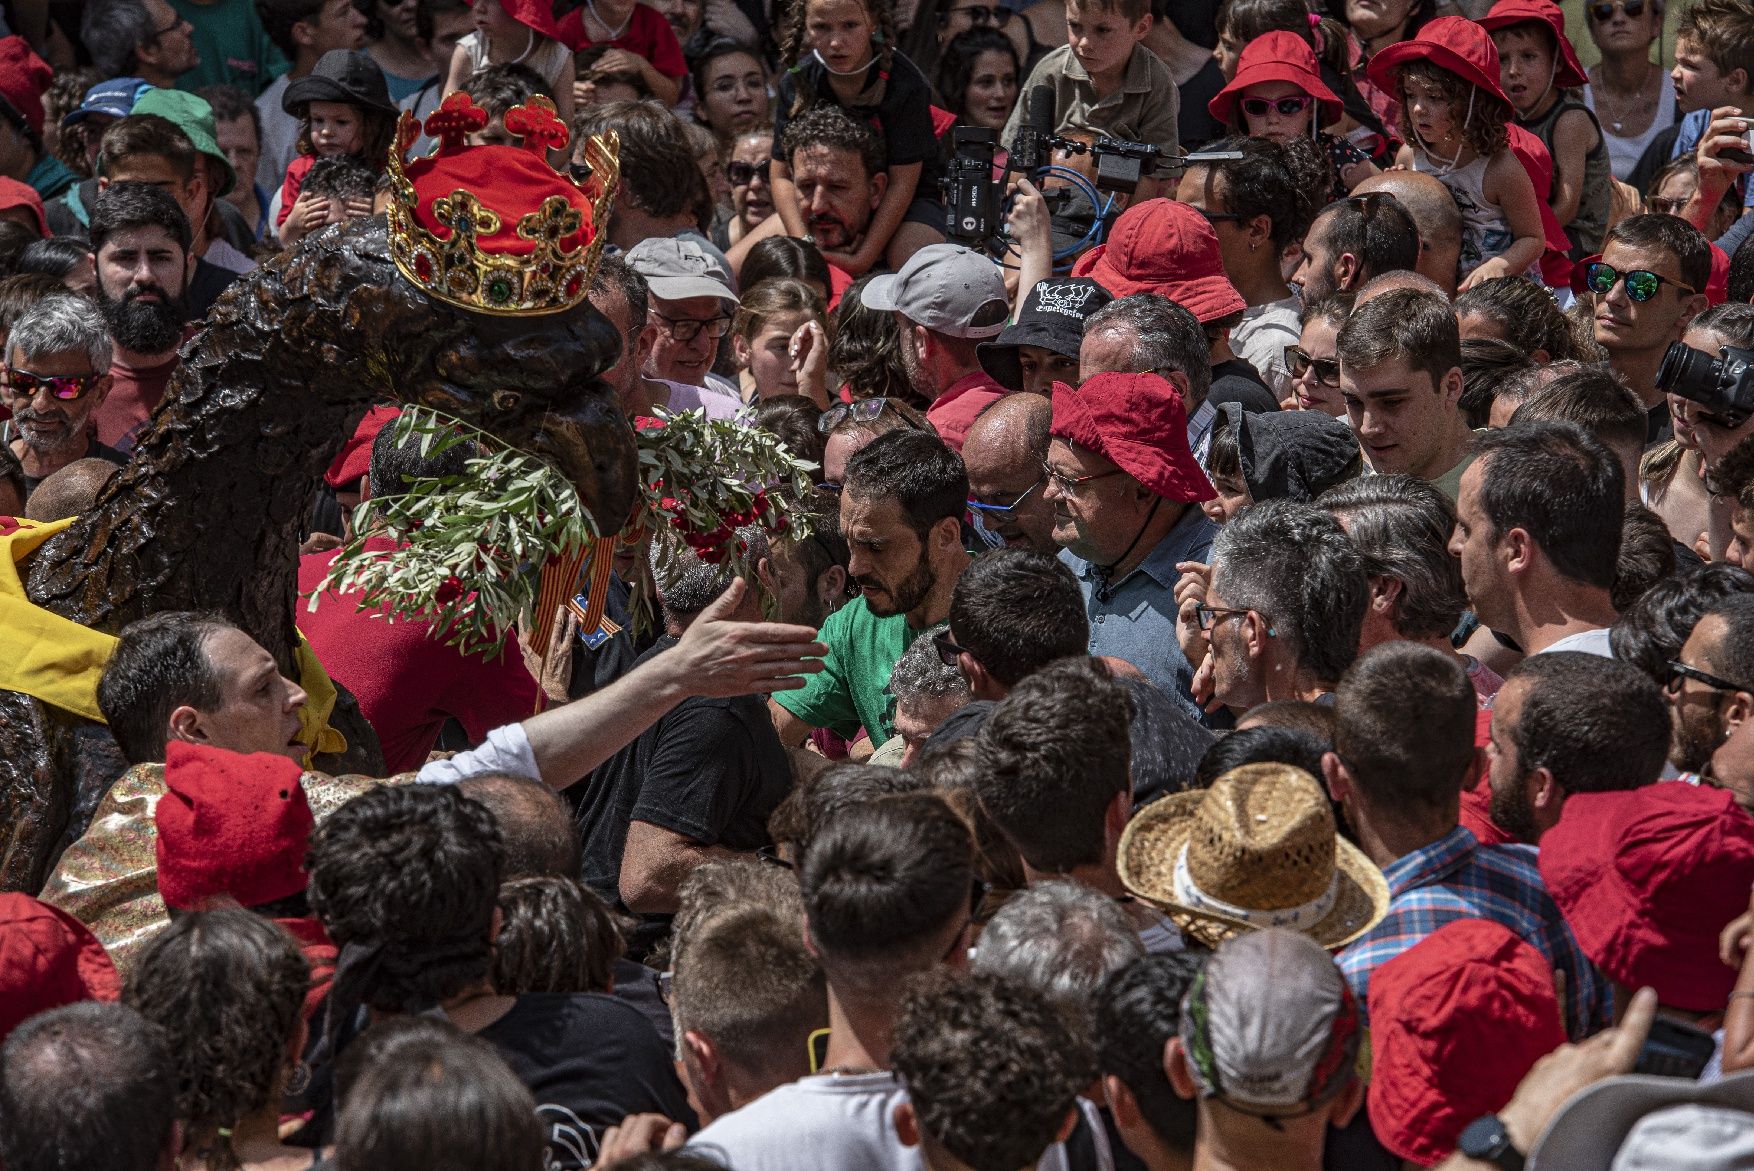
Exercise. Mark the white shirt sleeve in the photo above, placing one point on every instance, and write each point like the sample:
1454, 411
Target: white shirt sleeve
506, 750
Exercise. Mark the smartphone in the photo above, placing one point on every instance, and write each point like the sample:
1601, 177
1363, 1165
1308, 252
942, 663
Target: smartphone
1674, 1049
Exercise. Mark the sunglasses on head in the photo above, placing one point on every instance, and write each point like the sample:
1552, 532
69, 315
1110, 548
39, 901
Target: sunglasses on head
741, 174
1641, 284
1604, 12
1287, 106
1327, 370
66, 387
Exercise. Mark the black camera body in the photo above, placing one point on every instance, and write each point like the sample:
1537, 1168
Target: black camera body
1722, 385
971, 196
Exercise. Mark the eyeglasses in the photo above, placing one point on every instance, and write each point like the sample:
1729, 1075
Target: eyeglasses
741, 174
66, 387
1208, 616
1679, 671
686, 329
978, 14
1641, 283
948, 652
770, 855
868, 410
1604, 12
1297, 361
1658, 205
1066, 483
1003, 512
1220, 217
1287, 106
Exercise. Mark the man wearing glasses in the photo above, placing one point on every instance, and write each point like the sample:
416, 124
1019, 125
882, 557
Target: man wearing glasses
57, 372
689, 312
1711, 698
1648, 284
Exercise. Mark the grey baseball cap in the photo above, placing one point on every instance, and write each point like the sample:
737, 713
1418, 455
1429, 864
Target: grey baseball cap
947, 289
1639, 1122
677, 268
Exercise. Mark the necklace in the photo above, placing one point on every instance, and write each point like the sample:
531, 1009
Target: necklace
1625, 103
614, 34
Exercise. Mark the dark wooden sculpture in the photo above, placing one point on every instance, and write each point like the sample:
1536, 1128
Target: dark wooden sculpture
207, 515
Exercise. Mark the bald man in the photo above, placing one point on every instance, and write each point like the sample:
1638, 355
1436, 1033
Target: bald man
1434, 213
1401, 278
69, 491
1004, 452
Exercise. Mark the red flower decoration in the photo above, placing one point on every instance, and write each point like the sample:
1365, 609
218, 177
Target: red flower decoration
449, 591
537, 124
647, 423
456, 119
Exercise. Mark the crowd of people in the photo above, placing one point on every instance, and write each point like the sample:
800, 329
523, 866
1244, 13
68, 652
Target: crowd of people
1263, 677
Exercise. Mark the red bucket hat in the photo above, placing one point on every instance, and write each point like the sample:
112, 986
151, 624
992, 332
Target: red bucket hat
1278, 56
24, 77
230, 824
1162, 246
15, 194
1454, 43
48, 959
1647, 879
1507, 13
1137, 421
1532, 153
1456, 1021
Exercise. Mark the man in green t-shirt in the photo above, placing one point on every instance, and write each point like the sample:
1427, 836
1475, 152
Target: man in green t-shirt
233, 47
901, 512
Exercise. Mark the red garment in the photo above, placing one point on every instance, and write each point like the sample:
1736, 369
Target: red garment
48, 959
839, 281
290, 186
407, 681
319, 952
135, 392
647, 35
953, 411
1477, 816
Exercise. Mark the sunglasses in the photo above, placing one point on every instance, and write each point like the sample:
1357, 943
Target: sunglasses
867, 410
1287, 106
1604, 12
1327, 370
66, 387
1679, 671
741, 174
948, 652
1002, 512
686, 329
1208, 616
1641, 284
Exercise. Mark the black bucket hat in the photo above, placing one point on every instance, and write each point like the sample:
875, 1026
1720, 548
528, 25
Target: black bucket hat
341, 75
1291, 455
1052, 317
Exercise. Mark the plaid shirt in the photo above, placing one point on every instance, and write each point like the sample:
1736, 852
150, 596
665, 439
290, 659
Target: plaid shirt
1457, 878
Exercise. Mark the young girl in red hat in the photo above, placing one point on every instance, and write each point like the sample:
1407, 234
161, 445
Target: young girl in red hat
1453, 118
1538, 68
1278, 94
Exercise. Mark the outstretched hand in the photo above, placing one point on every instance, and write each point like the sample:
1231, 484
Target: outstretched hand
718, 656
1570, 1068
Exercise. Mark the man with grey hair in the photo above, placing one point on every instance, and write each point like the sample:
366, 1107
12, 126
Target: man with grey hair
57, 374
926, 691
697, 785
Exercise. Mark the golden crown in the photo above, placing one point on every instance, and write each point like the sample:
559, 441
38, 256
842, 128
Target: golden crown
497, 229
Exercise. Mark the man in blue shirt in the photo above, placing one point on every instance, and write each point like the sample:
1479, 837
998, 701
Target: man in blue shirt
1125, 490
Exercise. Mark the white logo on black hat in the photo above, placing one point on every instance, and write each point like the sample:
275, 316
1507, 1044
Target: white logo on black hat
1066, 300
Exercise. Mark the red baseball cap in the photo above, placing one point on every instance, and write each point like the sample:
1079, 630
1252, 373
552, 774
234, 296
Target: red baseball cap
1163, 246
1456, 1021
24, 77
1647, 878
1506, 13
1138, 422
230, 824
48, 959
1278, 56
1454, 43
15, 194
354, 460
1537, 160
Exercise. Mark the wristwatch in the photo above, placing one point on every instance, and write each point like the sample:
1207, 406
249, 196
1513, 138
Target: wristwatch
1485, 1139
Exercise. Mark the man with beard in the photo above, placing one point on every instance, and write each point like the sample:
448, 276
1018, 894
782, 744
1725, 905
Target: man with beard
901, 513
57, 363
1711, 697
1352, 241
839, 169
141, 239
1564, 723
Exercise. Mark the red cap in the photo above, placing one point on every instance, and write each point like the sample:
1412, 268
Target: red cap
535, 14
48, 959
1278, 56
15, 194
354, 460
1505, 13
1532, 153
1454, 43
1456, 1021
24, 77
1137, 421
1647, 878
1162, 246
230, 824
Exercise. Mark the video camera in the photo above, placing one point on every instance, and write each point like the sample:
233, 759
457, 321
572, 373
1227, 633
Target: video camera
973, 195
1723, 386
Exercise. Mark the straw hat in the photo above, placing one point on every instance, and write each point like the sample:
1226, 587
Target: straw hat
1257, 849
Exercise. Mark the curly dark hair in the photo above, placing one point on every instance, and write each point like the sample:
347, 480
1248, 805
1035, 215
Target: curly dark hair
992, 1068
833, 127
555, 935
1483, 130
226, 987
865, 350
411, 870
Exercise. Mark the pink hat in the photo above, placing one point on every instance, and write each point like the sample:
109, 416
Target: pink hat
1162, 246
1138, 422
1454, 43
1277, 56
1647, 879
1456, 1021
1508, 13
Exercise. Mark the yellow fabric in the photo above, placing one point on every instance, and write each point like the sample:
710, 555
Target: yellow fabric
58, 661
